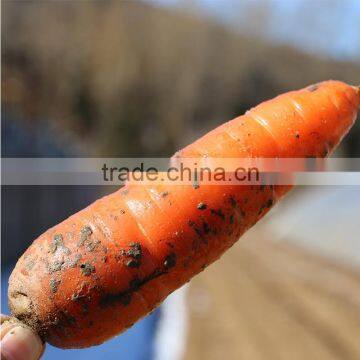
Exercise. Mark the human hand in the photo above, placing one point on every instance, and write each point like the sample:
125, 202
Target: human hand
18, 342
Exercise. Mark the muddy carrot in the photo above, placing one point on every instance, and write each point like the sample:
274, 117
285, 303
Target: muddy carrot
98, 272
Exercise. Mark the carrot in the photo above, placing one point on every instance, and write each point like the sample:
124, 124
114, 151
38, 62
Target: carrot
95, 274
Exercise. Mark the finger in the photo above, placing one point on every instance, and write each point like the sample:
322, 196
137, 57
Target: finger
4, 318
5, 325
19, 343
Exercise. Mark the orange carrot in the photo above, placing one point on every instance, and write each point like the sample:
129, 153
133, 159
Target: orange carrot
95, 274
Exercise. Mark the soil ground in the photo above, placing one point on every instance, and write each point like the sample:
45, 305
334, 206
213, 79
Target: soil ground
272, 300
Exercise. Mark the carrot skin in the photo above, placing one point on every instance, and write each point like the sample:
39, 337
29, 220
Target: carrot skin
95, 274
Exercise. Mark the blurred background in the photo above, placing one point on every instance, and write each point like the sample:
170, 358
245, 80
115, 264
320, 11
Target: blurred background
144, 78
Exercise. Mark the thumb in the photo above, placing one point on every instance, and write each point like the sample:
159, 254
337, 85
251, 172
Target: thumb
18, 342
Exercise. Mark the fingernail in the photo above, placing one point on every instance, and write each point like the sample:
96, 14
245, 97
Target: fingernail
21, 343
4, 329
